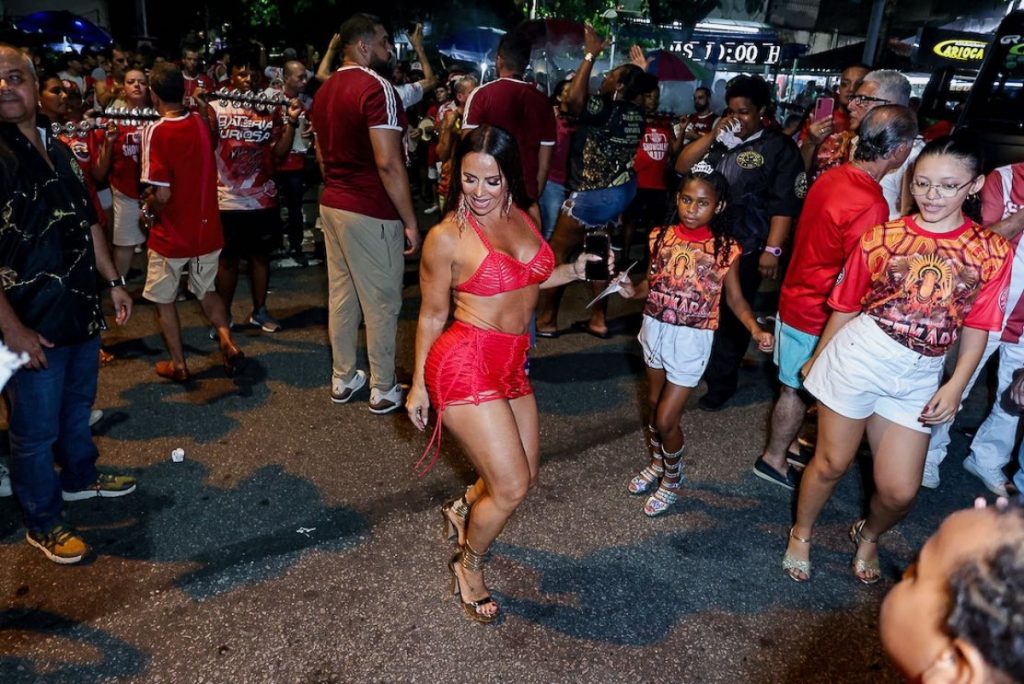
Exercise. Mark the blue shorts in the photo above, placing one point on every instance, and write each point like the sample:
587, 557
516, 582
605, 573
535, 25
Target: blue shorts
596, 208
793, 348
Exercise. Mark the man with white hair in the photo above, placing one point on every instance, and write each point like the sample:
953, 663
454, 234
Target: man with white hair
879, 87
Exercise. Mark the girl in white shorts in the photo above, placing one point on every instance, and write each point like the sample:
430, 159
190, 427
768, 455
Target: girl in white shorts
903, 298
690, 263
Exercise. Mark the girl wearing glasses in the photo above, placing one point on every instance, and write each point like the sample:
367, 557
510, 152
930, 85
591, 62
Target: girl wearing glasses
901, 301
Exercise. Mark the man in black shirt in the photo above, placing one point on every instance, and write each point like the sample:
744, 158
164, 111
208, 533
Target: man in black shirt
767, 184
50, 251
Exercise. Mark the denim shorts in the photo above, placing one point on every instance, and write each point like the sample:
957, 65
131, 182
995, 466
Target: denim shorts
595, 208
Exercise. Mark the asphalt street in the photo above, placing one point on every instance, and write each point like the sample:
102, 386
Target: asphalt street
295, 543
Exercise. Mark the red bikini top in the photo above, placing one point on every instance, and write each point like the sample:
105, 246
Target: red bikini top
500, 272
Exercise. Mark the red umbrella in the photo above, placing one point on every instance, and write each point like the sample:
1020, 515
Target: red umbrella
668, 66
552, 32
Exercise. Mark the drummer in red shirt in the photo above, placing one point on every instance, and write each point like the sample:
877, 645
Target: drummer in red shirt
178, 162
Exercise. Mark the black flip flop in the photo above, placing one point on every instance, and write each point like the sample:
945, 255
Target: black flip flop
584, 327
549, 334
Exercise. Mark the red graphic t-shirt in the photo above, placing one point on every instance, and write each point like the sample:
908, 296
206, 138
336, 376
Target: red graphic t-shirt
685, 278
699, 123
178, 153
245, 156
922, 287
124, 164
193, 83
652, 155
83, 151
837, 212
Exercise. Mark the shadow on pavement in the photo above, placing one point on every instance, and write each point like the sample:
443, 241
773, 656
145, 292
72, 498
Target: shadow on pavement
237, 536
108, 657
635, 595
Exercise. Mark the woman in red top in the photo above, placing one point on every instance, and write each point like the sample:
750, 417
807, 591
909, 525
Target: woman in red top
118, 162
903, 298
489, 259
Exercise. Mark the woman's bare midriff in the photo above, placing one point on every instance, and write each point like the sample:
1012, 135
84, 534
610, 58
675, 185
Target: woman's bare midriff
508, 312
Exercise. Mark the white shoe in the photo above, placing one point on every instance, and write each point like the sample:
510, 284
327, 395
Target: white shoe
930, 478
5, 482
994, 480
95, 416
432, 209
341, 392
386, 402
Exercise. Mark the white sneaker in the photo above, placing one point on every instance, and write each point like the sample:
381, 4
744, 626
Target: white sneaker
341, 391
5, 482
95, 416
930, 478
386, 402
994, 480
431, 210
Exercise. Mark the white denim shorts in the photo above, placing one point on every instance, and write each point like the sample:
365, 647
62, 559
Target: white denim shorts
127, 232
681, 351
862, 371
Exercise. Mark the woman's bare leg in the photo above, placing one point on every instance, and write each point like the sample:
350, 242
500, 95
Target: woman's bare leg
491, 438
899, 455
838, 440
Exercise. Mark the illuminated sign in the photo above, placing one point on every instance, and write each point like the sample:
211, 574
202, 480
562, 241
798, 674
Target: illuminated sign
730, 51
942, 48
961, 50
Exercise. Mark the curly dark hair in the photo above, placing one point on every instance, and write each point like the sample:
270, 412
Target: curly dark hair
722, 222
498, 143
987, 604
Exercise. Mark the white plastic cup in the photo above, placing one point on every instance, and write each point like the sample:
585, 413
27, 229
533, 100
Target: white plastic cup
178, 455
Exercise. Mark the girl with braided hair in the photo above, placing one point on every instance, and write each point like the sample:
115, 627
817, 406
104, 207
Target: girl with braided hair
958, 613
691, 262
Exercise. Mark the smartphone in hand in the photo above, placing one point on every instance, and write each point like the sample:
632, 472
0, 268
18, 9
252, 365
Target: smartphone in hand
597, 243
823, 108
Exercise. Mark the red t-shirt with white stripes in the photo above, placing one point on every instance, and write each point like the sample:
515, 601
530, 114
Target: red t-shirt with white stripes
178, 153
350, 103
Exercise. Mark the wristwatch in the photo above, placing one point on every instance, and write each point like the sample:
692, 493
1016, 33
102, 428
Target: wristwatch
589, 57
117, 282
774, 251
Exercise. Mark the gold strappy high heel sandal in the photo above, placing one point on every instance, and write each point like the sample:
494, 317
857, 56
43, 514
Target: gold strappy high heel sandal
471, 561
866, 572
790, 564
454, 514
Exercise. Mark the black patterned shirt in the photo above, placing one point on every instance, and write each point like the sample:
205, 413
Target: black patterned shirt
47, 262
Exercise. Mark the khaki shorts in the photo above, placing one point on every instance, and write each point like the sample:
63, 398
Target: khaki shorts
164, 275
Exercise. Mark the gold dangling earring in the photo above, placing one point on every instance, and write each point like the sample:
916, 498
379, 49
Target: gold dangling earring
462, 215
508, 203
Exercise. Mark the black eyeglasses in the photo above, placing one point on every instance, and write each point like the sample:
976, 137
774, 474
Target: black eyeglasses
868, 99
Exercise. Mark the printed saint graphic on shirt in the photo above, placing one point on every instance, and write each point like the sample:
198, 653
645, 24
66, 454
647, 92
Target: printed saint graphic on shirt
685, 278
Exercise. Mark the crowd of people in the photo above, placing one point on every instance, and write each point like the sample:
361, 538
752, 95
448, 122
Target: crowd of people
893, 249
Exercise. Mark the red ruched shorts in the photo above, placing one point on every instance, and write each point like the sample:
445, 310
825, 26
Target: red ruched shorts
470, 365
